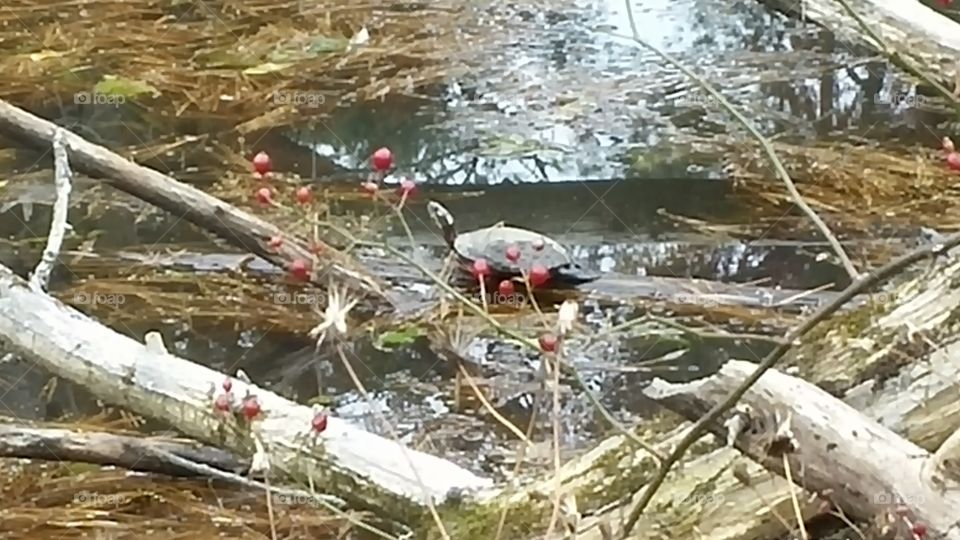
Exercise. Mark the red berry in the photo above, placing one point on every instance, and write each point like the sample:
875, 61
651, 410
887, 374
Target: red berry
261, 163
953, 161
382, 159
947, 144
513, 253
548, 343
407, 186
227, 385
275, 242
250, 408
538, 244
264, 195
539, 275
370, 187
506, 288
304, 195
920, 530
300, 269
481, 269
222, 403
319, 423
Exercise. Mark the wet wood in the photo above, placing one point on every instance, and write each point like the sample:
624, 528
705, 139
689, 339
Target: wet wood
364, 469
234, 225
858, 465
912, 29
917, 401
134, 452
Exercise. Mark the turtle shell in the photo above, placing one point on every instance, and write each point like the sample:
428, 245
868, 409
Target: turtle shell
491, 244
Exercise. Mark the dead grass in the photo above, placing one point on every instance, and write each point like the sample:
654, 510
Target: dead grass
70, 500
855, 187
229, 60
62, 500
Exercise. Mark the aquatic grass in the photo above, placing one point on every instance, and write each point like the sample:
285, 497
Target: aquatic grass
897, 185
261, 64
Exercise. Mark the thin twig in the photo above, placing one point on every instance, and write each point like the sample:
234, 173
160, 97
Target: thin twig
521, 455
865, 283
793, 497
556, 448
393, 433
62, 176
490, 408
767, 147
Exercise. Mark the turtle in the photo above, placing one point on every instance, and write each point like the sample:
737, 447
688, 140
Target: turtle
510, 251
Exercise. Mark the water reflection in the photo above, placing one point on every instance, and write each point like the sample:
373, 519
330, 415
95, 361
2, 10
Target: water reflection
563, 98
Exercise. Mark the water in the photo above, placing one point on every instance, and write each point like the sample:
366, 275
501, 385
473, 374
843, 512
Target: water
560, 126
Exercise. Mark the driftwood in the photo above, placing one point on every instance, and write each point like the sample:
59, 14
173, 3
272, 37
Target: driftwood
855, 463
132, 452
236, 226
911, 30
850, 355
364, 469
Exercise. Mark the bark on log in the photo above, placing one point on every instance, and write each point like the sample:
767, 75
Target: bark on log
102, 448
359, 467
237, 227
911, 29
863, 468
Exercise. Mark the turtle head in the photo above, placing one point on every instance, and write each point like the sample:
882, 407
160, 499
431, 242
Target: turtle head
444, 220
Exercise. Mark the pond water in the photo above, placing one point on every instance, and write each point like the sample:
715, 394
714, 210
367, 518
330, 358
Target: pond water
561, 126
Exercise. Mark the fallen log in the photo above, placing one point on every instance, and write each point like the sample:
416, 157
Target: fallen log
236, 226
363, 469
134, 452
909, 30
856, 464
